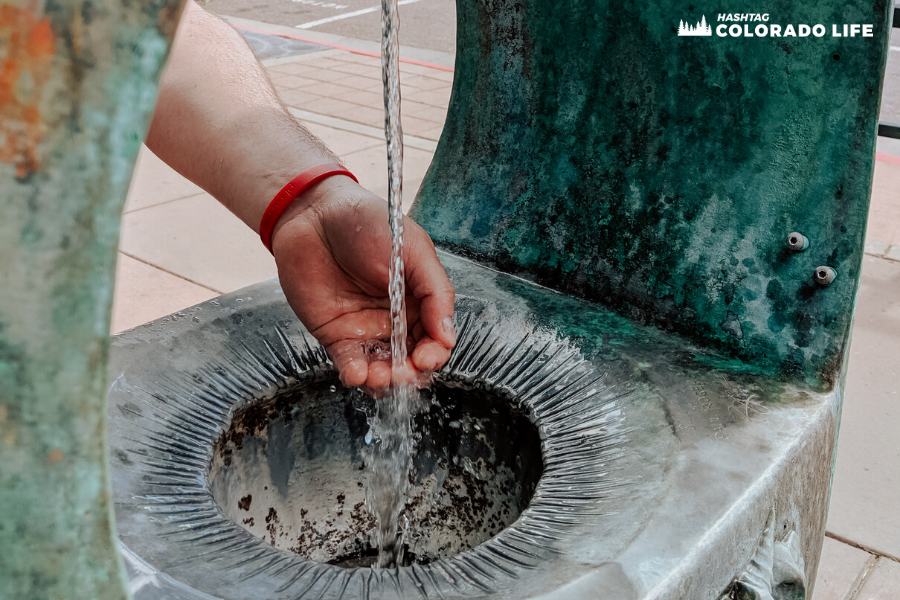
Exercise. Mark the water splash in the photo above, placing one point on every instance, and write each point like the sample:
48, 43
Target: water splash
392, 458
392, 462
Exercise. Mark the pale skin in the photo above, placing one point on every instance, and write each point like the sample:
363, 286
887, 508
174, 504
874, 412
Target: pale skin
220, 123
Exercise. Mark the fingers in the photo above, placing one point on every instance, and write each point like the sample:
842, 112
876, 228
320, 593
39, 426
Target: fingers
428, 282
357, 369
351, 362
403, 375
379, 375
346, 339
429, 355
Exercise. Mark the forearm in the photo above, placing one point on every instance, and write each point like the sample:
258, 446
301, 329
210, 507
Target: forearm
220, 124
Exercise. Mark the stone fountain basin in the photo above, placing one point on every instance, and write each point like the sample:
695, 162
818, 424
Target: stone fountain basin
611, 460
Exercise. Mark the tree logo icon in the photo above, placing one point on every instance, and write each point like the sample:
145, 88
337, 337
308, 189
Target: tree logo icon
700, 29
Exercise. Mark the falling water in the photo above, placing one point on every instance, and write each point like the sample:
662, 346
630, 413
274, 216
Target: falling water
393, 453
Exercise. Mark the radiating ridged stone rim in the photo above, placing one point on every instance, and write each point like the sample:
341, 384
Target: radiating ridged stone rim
576, 413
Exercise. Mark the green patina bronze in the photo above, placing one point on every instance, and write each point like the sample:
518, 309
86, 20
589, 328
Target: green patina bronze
590, 148
77, 90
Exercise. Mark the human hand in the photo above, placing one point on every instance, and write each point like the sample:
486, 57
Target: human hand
332, 247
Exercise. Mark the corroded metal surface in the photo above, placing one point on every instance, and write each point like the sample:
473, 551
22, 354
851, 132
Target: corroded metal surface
590, 148
77, 87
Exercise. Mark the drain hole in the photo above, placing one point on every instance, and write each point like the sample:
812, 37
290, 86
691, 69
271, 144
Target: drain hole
369, 557
366, 558
293, 472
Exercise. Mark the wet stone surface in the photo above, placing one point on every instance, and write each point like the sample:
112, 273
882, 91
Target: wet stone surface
293, 471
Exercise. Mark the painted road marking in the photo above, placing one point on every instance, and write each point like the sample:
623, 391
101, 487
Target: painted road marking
321, 4
348, 15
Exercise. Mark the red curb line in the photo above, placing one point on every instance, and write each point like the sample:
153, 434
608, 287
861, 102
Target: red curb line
345, 48
888, 158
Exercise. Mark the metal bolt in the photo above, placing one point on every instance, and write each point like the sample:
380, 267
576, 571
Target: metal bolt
824, 275
797, 242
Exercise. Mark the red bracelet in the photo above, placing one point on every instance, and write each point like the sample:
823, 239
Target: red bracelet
289, 193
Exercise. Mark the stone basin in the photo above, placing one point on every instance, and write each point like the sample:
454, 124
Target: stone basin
612, 460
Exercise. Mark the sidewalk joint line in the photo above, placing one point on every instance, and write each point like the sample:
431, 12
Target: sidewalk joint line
410, 141
294, 58
132, 211
859, 546
862, 577
150, 264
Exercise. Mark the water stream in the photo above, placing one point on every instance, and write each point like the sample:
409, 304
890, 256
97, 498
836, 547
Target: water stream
391, 425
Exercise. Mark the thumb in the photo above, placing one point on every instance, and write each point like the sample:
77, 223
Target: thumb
428, 283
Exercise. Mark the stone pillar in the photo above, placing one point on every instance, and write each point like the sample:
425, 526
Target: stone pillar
78, 82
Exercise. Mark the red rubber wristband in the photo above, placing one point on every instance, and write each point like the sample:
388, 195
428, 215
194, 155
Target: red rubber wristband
289, 193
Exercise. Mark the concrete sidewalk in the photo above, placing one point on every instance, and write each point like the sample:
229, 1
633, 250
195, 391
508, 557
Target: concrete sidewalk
180, 247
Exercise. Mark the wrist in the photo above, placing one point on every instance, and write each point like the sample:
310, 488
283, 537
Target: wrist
311, 200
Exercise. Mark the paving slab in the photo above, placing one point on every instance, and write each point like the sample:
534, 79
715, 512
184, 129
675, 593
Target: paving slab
144, 293
199, 240
840, 569
284, 81
409, 141
864, 500
299, 96
884, 210
274, 62
883, 582
877, 247
154, 182
888, 146
344, 142
890, 96
370, 167
435, 97
893, 253
367, 98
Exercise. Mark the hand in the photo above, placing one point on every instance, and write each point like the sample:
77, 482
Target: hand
332, 247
